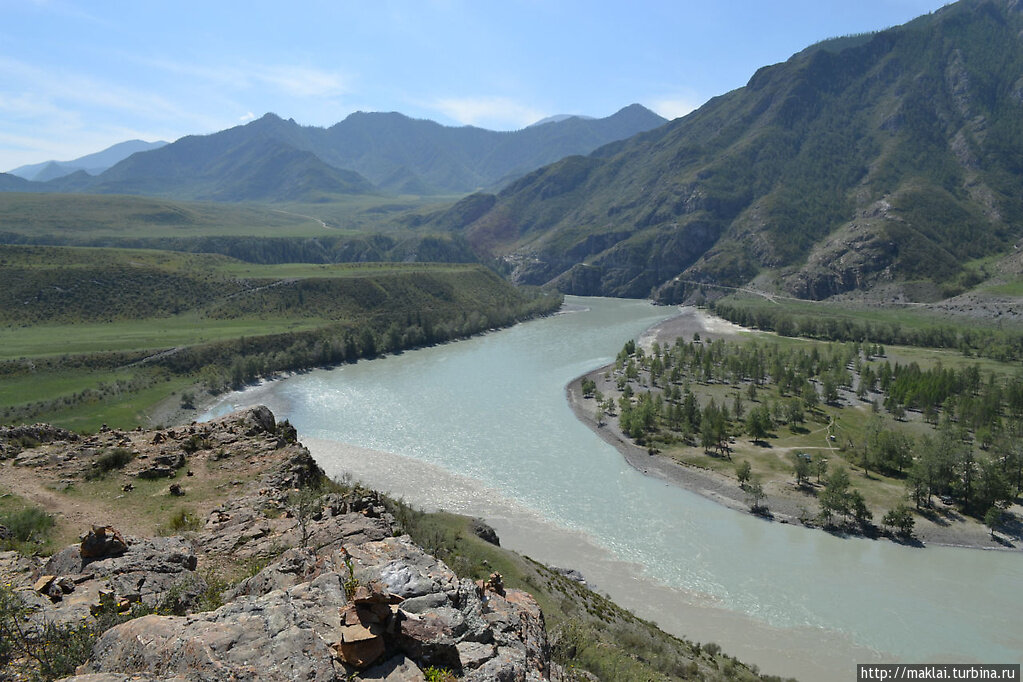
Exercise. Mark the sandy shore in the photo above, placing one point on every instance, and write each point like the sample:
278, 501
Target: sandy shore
786, 503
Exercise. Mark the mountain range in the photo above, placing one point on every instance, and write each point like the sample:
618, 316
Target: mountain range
861, 160
272, 159
93, 164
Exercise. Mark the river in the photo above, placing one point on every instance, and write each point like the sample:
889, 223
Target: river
483, 427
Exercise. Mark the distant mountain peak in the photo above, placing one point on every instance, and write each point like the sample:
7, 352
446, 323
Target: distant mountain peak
558, 118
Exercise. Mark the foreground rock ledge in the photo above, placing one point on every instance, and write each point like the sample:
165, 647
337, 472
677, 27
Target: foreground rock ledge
293, 619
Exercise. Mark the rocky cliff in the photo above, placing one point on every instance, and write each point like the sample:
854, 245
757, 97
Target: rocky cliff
328, 591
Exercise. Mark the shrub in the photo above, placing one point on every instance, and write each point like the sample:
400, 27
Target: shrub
31, 524
116, 458
183, 521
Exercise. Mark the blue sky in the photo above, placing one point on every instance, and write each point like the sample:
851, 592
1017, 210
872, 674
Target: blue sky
76, 77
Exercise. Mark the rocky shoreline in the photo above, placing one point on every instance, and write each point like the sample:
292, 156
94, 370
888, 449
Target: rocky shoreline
784, 508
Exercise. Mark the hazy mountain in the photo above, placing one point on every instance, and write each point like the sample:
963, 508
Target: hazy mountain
240, 164
12, 183
394, 152
895, 155
557, 118
93, 164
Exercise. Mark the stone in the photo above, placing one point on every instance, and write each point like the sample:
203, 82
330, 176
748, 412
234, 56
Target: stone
156, 472
485, 532
102, 542
395, 669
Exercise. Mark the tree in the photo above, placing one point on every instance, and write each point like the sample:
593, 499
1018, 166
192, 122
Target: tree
755, 494
758, 423
834, 499
304, 504
993, 518
820, 466
742, 471
801, 467
858, 505
900, 519
588, 387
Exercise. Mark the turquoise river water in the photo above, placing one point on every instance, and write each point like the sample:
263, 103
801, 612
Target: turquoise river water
483, 427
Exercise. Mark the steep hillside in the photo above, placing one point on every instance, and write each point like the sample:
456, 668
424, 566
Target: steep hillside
860, 160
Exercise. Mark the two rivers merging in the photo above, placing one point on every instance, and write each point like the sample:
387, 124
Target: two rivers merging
482, 427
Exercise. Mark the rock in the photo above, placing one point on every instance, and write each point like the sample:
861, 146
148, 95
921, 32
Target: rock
5, 533
176, 490
102, 542
258, 420
174, 460
152, 571
359, 645
292, 619
395, 669
156, 472
275, 637
571, 574
484, 531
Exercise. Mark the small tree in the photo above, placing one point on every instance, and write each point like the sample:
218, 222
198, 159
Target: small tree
755, 494
992, 518
304, 505
900, 519
742, 471
801, 467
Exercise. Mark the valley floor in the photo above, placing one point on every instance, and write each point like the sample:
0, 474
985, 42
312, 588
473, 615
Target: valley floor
786, 502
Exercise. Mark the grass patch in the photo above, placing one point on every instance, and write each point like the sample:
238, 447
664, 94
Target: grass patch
587, 630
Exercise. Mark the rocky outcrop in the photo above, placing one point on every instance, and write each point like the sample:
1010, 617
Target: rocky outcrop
339, 596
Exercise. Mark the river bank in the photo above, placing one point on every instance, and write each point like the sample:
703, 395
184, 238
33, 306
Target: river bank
787, 503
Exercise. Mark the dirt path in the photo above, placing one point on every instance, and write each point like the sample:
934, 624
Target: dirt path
74, 514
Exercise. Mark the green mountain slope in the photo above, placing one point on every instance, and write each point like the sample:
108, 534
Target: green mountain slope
860, 160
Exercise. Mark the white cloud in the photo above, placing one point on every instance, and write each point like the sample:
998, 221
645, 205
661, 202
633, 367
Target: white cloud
296, 81
674, 107
247, 117
301, 81
488, 112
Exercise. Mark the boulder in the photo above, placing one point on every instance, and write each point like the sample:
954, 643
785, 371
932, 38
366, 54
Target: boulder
484, 531
102, 542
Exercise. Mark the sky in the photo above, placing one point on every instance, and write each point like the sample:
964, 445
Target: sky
77, 77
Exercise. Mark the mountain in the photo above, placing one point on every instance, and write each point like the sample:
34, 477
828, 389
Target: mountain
457, 160
860, 160
12, 183
557, 118
94, 164
273, 159
240, 164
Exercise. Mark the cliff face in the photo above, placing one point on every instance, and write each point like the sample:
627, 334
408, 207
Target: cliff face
338, 595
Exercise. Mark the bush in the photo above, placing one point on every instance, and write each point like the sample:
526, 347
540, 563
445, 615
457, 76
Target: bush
117, 458
183, 521
54, 650
31, 524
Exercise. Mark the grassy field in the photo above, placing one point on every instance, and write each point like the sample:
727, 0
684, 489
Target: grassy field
82, 217
154, 333
76, 321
